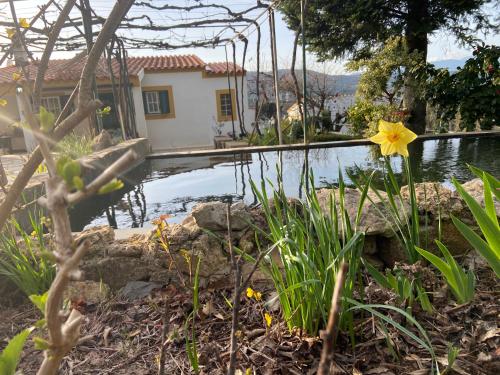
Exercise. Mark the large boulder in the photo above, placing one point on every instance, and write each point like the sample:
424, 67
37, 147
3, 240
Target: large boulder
375, 220
213, 216
476, 189
435, 200
101, 141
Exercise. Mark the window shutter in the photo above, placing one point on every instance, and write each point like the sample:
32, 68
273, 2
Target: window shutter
164, 105
145, 103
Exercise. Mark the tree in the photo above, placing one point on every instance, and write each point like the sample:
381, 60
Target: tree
472, 91
353, 28
384, 72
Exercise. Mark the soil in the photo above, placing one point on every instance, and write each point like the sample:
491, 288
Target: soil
123, 337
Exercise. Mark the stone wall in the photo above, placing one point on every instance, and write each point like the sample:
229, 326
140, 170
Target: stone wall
142, 258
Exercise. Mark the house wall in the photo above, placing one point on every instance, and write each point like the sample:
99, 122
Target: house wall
8, 114
194, 100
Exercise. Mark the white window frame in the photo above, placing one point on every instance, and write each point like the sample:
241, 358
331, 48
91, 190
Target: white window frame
226, 105
51, 104
153, 102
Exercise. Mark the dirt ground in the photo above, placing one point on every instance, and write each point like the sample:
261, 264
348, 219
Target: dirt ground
123, 337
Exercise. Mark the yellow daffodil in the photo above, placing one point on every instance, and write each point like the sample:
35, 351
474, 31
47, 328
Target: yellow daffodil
393, 138
23, 22
268, 318
3, 102
16, 76
10, 32
254, 294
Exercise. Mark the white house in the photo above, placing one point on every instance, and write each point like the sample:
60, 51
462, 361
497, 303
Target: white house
179, 101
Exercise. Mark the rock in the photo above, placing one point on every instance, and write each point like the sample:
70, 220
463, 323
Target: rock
476, 189
91, 292
101, 141
131, 248
212, 216
139, 289
370, 245
99, 237
117, 271
390, 250
375, 262
435, 199
372, 219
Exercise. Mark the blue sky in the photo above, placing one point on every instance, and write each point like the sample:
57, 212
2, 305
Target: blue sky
442, 45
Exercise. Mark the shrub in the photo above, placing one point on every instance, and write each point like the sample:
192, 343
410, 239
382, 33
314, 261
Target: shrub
24, 260
364, 115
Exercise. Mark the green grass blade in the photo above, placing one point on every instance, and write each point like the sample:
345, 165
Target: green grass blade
479, 244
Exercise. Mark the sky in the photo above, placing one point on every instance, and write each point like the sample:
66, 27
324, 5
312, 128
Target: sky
442, 45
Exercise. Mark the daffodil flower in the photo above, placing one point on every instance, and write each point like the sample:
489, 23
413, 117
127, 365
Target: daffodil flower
268, 318
10, 32
393, 138
16, 76
23, 22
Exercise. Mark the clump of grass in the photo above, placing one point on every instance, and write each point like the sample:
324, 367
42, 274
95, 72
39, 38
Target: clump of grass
312, 245
23, 258
75, 146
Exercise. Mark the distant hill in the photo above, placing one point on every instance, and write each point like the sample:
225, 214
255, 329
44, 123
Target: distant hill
342, 83
450, 64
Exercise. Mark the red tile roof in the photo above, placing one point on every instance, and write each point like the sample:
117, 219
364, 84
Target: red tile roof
71, 69
222, 68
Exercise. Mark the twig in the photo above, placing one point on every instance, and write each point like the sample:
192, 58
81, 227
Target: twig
164, 331
235, 264
239, 287
330, 333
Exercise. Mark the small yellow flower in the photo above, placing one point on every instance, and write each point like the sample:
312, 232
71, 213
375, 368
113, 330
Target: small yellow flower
250, 292
268, 318
254, 294
16, 76
23, 22
393, 138
10, 32
3, 102
33, 234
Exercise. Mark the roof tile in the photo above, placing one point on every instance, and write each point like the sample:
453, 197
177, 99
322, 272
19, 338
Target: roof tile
70, 69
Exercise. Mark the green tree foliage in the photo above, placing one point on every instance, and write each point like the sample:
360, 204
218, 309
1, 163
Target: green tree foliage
384, 72
354, 28
472, 91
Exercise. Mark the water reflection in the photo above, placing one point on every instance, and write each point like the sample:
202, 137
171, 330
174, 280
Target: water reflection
174, 186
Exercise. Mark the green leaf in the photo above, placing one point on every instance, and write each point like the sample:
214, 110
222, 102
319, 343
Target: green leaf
10, 356
47, 120
479, 244
490, 231
70, 170
111, 186
376, 274
39, 301
40, 343
78, 183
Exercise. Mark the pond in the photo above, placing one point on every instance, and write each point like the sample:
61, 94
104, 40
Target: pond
174, 186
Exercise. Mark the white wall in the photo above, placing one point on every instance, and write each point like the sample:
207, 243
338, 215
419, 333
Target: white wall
195, 106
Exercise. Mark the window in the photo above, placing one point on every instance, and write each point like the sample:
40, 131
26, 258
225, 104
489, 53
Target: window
158, 102
52, 104
152, 102
226, 105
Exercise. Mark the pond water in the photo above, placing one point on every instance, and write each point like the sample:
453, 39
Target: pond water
174, 186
